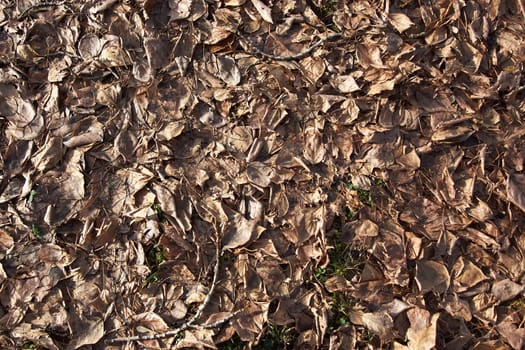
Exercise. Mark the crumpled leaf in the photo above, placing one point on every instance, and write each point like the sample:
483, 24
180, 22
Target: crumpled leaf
49, 155
506, 290
85, 332
400, 21
423, 329
259, 173
345, 84
180, 9
515, 190
454, 134
240, 232
264, 11
89, 46
228, 70
381, 323
432, 276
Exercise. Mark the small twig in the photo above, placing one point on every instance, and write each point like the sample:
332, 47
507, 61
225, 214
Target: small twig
36, 7
216, 323
195, 317
298, 56
417, 35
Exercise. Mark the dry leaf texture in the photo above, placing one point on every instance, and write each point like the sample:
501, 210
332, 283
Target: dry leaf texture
262, 174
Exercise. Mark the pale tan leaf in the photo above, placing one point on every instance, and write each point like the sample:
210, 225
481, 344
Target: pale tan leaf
452, 135
179, 9
171, 131
379, 322
114, 56
400, 21
345, 84
377, 88
54, 254
49, 155
6, 243
481, 211
264, 11
423, 329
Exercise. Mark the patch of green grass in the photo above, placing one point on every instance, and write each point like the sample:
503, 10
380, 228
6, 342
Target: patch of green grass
31, 196
345, 260
36, 232
364, 196
277, 337
233, 344
152, 277
367, 336
380, 182
327, 9
29, 346
327, 13
341, 305
518, 304
160, 213
349, 213
155, 256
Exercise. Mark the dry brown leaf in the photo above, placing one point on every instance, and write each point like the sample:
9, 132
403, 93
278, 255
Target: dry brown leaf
378, 88
89, 46
133, 131
452, 135
432, 276
249, 323
240, 232
400, 21
114, 56
259, 174
506, 290
469, 275
85, 332
511, 332
157, 52
180, 9
228, 70
423, 329
54, 254
515, 193
345, 84
378, 322
264, 11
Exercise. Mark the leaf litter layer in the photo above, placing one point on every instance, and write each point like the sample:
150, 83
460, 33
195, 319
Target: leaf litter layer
240, 174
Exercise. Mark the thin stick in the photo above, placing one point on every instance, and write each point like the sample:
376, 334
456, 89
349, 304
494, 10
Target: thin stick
298, 56
38, 6
191, 321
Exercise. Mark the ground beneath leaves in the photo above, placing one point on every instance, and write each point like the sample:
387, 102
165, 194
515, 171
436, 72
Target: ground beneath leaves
234, 174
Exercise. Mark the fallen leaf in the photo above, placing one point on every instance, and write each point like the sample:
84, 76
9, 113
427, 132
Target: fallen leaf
515, 193
400, 21
423, 329
506, 290
432, 276
264, 11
